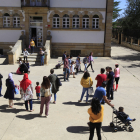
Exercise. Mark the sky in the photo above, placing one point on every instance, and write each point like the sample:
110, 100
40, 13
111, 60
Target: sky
122, 6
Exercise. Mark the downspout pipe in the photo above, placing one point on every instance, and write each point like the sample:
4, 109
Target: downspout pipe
105, 29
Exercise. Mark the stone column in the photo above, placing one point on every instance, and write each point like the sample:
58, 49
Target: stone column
126, 39
70, 22
81, 21
11, 21
131, 40
138, 41
122, 36
1, 20
118, 37
90, 22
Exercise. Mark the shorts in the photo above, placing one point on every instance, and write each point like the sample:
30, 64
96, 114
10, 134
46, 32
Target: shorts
38, 94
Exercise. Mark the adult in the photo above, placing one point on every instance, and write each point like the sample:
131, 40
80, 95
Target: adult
66, 69
26, 90
117, 76
86, 82
70, 60
85, 61
53, 78
9, 94
1, 84
64, 56
32, 44
100, 93
23, 68
96, 112
101, 77
90, 61
110, 80
45, 95
41, 56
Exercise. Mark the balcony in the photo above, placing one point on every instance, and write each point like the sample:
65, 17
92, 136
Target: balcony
35, 3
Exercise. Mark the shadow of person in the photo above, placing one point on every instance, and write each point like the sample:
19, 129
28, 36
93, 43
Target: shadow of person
19, 104
76, 103
11, 110
28, 116
111, 129
78, 129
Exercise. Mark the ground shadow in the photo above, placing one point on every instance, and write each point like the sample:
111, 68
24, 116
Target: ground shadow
76, 103
17, 99
111, 129
5, 62
19, 104
10, 110
28, 116
78, 129
132, 66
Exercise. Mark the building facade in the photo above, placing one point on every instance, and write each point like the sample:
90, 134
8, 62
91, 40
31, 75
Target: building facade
77, 26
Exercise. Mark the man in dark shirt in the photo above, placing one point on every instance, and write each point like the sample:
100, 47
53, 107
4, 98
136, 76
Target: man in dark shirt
1, 85
110, 80
64, 56
66, 69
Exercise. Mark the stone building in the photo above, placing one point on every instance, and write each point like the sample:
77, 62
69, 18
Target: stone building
77, 26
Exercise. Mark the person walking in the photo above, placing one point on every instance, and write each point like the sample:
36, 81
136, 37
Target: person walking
54, 89
9, 94
70, 60
25, 53
96, 113
26, 91
85, 61
66, 69
32, 44
1, 84
45, 95
86, 82
110, 80
64, 56
90, 61
72, 69
41, 56
117, 76
101, 77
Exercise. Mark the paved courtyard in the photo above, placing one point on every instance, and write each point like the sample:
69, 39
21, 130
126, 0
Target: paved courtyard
68, 119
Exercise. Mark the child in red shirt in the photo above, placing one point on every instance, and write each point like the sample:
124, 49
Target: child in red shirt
37, 88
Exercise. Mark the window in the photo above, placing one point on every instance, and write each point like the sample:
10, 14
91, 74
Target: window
95, 22
6, 20
56, 21
86, 21
75, 23
16, 20
65, 21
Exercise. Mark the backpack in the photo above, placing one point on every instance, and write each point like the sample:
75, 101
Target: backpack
58, 82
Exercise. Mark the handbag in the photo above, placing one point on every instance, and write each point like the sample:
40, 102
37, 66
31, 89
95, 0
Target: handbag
29, 47
90, 89
47, 93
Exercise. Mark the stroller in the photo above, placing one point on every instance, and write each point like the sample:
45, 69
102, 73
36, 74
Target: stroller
60, 63
118, 121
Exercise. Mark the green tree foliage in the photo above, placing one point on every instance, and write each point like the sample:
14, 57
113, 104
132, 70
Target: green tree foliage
116, 10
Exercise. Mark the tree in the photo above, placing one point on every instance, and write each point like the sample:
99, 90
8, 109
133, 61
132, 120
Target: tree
116, 10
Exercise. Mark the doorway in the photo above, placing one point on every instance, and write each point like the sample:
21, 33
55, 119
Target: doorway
33, 34
75, 53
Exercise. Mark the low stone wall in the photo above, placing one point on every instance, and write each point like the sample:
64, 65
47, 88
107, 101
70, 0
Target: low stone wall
14, 54
47, 51
115, 40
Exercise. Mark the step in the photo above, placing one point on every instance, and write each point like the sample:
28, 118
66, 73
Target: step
36, 56
33, 54
33, 60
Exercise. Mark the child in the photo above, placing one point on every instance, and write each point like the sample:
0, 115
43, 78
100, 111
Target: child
37, 88
70, 61
77, 65
72, 69
25, 53
122, 115
85, 61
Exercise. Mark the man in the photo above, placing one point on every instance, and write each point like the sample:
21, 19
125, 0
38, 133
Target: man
66, 69
100, 93
110, 79
64, 56
1, 85
85, 61
101, 77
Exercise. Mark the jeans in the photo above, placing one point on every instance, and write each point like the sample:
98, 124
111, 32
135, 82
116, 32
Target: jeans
84, 90
98, 130
66, 72
55, 96
42, 60
26, 104
85, 66
46, 101
32, 49
0, 89
90, 64
110, 91
128, 119
25, 57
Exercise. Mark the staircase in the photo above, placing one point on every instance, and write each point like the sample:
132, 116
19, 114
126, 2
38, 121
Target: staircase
34, 57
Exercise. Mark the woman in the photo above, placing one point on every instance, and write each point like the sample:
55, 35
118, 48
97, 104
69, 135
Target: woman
26, 90
45, 95
32, 44
96, 118
90, 61
54, 89
117, 76
18, 70
86, 82
23, 68
10, 90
